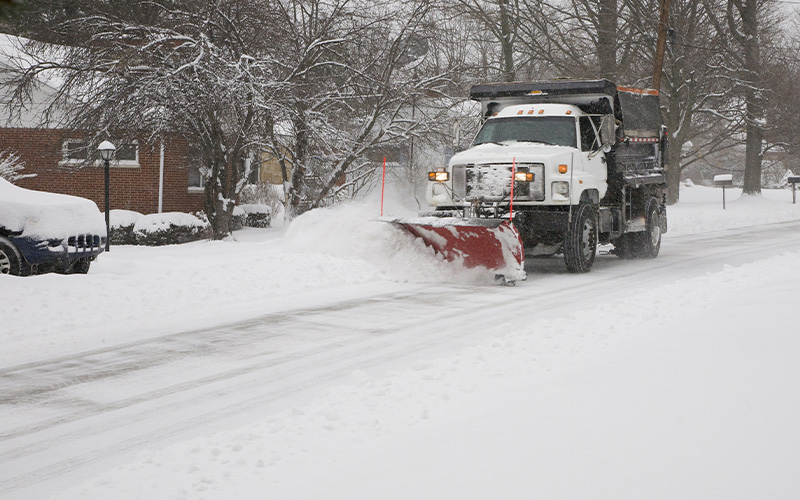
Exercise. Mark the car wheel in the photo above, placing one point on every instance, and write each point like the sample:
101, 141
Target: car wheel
81, 266
11, 262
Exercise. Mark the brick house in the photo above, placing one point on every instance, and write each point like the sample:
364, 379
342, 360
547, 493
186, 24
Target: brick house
145, 177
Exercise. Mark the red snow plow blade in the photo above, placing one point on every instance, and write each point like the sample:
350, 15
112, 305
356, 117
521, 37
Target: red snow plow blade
491, 243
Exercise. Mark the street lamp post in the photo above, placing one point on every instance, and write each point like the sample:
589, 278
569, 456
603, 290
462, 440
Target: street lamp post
106, 150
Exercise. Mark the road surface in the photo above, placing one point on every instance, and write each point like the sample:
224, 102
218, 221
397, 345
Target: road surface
67, 419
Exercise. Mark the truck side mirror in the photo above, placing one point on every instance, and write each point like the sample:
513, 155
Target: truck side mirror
608, 131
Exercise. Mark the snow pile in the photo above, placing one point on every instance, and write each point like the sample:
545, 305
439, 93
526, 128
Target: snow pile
123, 218
38, 214
700, 210
351, 231
591, 405
152, 223
254, 208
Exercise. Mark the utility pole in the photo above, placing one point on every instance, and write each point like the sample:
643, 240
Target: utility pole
661, 45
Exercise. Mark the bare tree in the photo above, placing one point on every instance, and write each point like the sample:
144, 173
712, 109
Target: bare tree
749, 26
696, 100
497, 23
202, 70
358, 73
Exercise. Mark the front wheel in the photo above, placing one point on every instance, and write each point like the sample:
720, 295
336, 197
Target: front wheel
580, 243
11, 262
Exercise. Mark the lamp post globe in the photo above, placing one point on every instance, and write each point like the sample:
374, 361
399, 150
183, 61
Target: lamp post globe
106, 150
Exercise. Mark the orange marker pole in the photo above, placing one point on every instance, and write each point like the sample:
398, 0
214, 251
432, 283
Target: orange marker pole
511, 202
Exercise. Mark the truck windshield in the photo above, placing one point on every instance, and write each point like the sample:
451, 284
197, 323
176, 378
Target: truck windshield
556, 130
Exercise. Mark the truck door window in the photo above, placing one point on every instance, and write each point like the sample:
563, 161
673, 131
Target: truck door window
589, 141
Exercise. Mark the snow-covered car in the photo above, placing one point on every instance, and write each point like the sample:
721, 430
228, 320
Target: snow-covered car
42, 232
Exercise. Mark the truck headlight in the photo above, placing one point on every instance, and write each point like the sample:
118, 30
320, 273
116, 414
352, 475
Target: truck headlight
523, 176
560, 191
439, 176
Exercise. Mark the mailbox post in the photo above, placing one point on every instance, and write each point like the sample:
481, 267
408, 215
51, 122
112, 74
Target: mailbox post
793, 180
724, 180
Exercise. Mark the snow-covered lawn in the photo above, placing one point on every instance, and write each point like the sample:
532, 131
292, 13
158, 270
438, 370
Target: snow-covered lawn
690, 392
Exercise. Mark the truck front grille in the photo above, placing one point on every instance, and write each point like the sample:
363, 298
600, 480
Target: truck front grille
492, 182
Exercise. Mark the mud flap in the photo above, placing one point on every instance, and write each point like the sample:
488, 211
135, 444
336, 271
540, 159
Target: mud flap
491, 243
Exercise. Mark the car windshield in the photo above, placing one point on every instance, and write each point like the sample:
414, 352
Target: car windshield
556, 130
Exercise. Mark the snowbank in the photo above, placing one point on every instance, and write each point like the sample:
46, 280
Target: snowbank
352, 231
700, 210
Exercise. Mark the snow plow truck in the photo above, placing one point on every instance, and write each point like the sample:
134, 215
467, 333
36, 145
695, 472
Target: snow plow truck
557, 167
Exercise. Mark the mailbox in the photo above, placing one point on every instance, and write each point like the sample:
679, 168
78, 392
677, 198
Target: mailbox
793, 180
725, 180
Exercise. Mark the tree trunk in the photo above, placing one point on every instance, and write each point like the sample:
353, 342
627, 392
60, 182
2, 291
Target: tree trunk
507, 41
297, 189
607, 39
748, 9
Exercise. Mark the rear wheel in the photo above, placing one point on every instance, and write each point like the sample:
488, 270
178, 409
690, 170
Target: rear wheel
644, 244
580, 244
625, 246
651, 238
11, 262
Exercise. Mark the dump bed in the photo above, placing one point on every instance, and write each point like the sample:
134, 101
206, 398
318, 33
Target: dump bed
636, 109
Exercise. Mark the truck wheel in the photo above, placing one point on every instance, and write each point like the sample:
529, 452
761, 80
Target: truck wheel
11, 262
651, 238
580, 244
625, 246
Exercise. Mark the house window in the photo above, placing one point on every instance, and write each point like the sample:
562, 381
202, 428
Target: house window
127, 153
77, 151
197, 181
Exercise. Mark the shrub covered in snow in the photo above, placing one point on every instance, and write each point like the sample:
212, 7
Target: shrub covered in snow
133, 228
263, 193
256, 214
168, 229
251, 215
121, 226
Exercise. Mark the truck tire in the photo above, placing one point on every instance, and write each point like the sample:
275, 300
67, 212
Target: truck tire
651, 238
11, 262
580, 243
645, 244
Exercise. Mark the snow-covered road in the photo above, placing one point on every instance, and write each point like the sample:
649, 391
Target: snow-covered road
70, 417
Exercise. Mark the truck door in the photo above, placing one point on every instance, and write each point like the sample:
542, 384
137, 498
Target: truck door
592, 157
